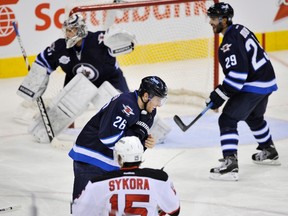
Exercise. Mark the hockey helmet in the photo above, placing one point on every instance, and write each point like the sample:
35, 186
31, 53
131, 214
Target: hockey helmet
154, 86
221, 9
77, 22
129, 149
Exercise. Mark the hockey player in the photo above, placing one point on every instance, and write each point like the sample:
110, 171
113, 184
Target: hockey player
249, 80
125, 115
81, 51
90, 53
130, 190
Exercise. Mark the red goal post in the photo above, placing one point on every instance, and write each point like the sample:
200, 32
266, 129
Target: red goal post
174, 41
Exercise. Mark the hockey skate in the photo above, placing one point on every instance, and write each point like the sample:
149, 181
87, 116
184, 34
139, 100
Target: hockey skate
267, 156
227, 171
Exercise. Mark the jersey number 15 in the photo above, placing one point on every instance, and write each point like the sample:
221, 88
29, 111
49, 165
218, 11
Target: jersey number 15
129, 199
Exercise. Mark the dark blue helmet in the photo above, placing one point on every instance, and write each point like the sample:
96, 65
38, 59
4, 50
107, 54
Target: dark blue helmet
221, 9
154, 86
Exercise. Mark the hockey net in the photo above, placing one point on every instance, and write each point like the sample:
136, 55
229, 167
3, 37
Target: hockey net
174, 42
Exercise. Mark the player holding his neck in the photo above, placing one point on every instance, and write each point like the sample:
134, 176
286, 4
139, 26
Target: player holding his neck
249, 81
130, 190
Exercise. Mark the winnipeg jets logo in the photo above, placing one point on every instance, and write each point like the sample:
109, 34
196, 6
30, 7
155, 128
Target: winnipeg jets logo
226, 47
87, 69
127, 110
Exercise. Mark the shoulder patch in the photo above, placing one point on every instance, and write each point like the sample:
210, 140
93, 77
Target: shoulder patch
100, 38
244, 32
225, 47
127, 110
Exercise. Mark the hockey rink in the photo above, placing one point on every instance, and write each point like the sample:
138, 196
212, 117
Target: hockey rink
36, 179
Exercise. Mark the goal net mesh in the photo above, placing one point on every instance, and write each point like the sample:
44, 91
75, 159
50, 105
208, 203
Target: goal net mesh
174, 42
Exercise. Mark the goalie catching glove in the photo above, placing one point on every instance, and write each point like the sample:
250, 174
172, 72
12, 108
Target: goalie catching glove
217, 97
119, 41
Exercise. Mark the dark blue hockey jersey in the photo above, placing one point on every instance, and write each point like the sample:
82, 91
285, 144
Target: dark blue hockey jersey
92, 59
116, 119
245, 64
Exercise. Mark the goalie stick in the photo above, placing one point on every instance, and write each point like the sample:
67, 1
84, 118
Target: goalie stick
39, 100
184, 127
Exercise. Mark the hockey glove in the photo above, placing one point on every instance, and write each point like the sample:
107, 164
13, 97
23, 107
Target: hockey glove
119, 41
141, 128
217, 97
34, 84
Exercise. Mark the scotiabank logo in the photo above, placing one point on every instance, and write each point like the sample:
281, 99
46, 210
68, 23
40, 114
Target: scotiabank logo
283, 10
7, 16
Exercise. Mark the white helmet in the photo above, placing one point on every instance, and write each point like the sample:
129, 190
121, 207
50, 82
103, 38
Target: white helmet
75, 21
130, 149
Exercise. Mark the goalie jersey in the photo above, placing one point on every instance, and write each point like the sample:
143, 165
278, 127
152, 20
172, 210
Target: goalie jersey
92, 59
245, 64
95, 143
128, 192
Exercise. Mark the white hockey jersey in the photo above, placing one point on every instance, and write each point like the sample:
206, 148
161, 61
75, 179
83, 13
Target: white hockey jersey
140, 192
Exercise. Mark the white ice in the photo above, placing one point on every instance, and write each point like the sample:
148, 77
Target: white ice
39, 177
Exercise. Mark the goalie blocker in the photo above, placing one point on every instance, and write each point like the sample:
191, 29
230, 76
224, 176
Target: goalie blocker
34, 84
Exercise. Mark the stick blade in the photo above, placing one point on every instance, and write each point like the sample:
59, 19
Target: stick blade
180, 123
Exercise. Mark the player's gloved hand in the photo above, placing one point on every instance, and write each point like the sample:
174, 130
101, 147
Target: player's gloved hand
217, 97
141, 128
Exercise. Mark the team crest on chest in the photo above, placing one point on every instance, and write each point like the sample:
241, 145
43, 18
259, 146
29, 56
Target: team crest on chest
127, 110
226, 47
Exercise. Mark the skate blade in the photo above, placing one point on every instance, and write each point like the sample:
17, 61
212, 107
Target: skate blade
268, 162
231, 176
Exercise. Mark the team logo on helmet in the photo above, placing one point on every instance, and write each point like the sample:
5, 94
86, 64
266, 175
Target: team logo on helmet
127, 110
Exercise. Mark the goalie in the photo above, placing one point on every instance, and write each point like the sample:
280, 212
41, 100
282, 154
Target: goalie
81, 51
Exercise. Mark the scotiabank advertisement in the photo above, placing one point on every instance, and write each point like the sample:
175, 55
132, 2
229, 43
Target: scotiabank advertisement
39, 22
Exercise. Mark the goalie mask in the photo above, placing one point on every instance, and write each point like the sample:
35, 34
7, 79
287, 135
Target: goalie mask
128, 150
155, 87
74, 29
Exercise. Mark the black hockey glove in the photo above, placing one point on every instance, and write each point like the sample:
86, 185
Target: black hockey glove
217, 97
141, 128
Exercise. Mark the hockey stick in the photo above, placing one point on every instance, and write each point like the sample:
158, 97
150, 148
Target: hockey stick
39, 100
10, 208
184, 127
179, 153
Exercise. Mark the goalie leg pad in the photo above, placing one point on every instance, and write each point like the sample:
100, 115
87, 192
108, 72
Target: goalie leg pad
159, 130
105, 92
34, 84
71, 102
